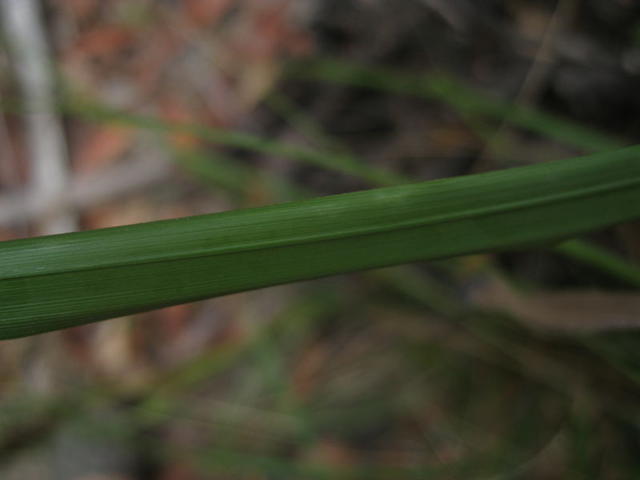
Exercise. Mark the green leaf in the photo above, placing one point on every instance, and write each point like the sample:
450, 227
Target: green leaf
60, 281
467, 101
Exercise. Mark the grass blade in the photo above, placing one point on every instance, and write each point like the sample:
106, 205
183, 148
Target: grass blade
59, 281
467, 101
340, 162
601, 259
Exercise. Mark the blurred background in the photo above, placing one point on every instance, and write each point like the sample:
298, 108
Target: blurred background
514, 365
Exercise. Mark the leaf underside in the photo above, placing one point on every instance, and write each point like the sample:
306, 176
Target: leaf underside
59, 281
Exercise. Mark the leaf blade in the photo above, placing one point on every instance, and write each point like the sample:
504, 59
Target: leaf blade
59, 281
